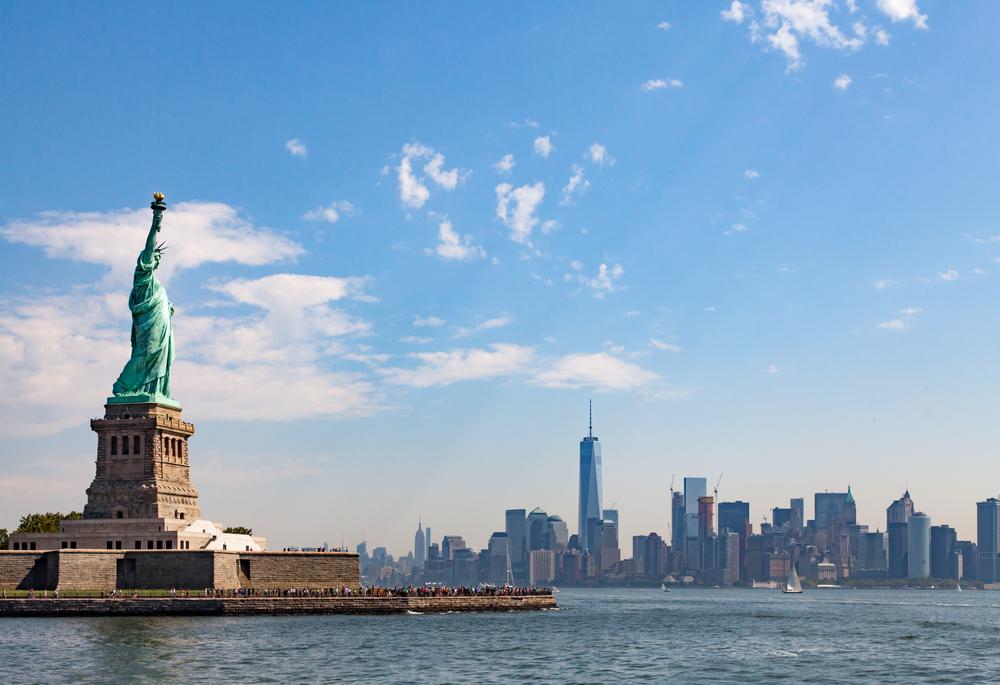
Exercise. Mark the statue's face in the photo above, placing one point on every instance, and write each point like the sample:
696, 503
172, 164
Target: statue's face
156, 259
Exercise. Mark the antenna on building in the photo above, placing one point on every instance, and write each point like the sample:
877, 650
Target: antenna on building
717, 487
590, 423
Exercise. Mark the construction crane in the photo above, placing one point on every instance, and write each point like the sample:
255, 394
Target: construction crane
717, 487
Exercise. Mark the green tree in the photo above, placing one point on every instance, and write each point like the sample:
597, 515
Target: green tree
44, 523
4, 539
239, 530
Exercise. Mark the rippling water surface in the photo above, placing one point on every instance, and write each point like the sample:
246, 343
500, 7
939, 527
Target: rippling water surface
596, 636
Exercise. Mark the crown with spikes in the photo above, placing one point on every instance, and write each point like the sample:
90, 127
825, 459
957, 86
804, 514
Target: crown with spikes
160, 249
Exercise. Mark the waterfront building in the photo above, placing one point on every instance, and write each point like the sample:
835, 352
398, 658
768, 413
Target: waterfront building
988, 537
605, 548
897, 517
727, 557
590, 483
735, 517
919, 546
968, 554
612, 515
558, 534
677, 522
694, 488
427, 540
541, 567
465, 566
872, 560
499, 561
944, 553
419, 547
516, 527
781, 517
798, 507
538, 524
829, 507
654, 556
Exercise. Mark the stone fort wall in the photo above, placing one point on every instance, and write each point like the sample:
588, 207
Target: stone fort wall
70, 569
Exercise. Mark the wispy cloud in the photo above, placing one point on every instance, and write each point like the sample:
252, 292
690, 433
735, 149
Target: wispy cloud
331, 213
663, 346
600, 370
598, 154
842, 82
454, 247
901, 322
575, 186
431, 321
516, 209
505, 164
296, 148
413, 191
661, 84
453, 366
487, 325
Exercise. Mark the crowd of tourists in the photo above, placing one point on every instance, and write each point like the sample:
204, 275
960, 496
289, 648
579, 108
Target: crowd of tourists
407, 591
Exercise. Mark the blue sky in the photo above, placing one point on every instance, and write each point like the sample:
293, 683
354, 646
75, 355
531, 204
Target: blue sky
409, 241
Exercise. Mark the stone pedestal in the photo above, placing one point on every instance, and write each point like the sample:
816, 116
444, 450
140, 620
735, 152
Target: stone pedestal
142, 465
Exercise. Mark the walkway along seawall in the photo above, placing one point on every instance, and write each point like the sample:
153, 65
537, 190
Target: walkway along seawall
228, 606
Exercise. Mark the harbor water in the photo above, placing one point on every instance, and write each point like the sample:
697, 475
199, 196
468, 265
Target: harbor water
595, 636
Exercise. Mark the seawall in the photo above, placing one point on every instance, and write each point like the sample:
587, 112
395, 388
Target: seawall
234, 606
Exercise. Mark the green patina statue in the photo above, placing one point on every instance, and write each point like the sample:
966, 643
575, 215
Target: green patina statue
146, 376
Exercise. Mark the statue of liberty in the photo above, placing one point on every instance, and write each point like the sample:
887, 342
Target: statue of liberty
146, 376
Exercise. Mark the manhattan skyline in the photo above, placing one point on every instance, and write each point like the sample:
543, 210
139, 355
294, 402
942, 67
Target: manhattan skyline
769, 259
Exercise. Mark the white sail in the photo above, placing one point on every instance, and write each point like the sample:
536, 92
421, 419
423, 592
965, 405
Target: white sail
792, 585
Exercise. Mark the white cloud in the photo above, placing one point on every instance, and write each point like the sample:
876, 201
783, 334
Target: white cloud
444, 368
429, 321
520, 219
598, 154
884, 283
881, 36
600, 370
543, 146
505, 164
606, 279
454, 246
949, 275
196, 233
660, 84
786, 22
487, 325
772, 369
296, 147
331, 213
902, 322
893, 325
412, 192
737, 12
577, 184
902, 10
664, 26
751, 173
447, 179
663, 346
735, 228
416, 339
842, 82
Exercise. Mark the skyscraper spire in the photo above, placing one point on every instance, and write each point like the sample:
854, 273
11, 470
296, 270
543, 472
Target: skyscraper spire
590, 422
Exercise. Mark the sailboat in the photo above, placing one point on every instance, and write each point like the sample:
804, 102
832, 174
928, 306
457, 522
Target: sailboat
792, 585
663, 586
958, 587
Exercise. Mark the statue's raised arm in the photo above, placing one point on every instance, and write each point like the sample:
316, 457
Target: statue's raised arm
146, 376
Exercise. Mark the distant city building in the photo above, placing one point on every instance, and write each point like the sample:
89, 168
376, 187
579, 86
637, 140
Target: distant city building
706, 517
612, 515
829, 506
677, 522
557, 536
897, 517
419, 547
873, 556
988, 537
590, 483
606, 548
735, 518
944, 553
516, 527
465, 566
542, 567
798, 507
451, 544
499, 559
919, 546
538, 524
694, 488
968, 553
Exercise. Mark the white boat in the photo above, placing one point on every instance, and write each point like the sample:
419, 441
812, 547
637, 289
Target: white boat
958, 587
663, 586
792, 585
